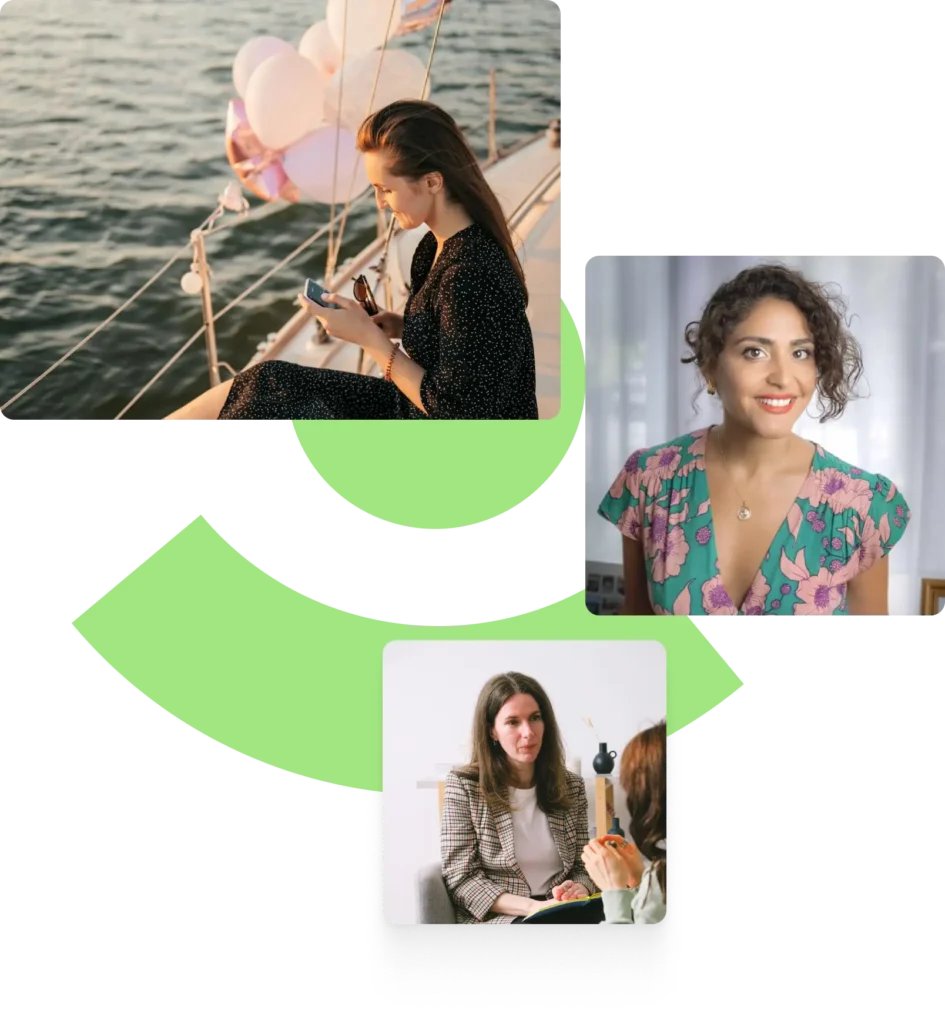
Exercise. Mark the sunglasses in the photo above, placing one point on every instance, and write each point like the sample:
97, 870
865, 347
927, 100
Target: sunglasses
362, 292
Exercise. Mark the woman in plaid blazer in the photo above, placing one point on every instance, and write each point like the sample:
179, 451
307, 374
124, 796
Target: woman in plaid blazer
514, 819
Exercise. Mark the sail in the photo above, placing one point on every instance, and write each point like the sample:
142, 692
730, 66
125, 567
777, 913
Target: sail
418, 14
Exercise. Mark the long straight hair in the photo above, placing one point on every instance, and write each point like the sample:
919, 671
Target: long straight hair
643, 779
420, 138
490, 764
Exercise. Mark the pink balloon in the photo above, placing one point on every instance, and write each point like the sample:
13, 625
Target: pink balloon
285, 99
359, 26
310, 164
318, 46
259, 169
251, 55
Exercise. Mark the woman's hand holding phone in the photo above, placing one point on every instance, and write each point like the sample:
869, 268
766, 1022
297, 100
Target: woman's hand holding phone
392, 324
344, 318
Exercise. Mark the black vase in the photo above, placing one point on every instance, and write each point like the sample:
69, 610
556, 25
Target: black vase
615, 829
603, 761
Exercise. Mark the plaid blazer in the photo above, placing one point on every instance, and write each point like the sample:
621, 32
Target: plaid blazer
477, 848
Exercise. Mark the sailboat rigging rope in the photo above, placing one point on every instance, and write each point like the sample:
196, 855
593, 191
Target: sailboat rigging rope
341, 95
334, 249
235, 302
208, 223
333, 257
75, 348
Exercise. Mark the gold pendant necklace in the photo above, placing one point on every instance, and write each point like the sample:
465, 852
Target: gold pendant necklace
744, 512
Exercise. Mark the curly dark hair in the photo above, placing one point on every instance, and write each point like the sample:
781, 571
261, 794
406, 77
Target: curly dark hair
643, 779
836, 352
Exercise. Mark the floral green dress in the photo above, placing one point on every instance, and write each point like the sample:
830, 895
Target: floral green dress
842, 520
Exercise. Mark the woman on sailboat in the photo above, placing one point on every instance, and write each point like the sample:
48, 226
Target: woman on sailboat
467, 349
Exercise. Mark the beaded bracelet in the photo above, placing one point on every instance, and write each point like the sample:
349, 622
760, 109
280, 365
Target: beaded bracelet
390, 363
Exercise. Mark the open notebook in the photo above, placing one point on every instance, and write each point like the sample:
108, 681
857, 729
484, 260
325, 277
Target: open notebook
550, 904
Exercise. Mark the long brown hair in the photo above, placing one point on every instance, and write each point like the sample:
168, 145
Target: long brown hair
643, 779
419, 138
490, 765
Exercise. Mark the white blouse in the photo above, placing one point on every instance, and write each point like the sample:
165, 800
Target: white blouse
535, 848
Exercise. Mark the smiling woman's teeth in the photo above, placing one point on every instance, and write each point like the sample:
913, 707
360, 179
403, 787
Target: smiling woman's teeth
778, 403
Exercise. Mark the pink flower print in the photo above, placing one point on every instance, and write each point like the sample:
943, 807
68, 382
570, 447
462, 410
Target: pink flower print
836, 565
836, 543
776, 604
897, 521
795, 518
681, 606
628, 478
754, 603
655, 537
823, 559
838, 490
826, 541
819, 595
629, 522
714, 599
664, 463
785, 588
871, 542
669, 559
704, 507
819, 525
703, 535
900, 511
676, 497
698, 445
856, 471
811, 516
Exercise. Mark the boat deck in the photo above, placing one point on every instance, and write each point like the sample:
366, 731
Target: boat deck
528, 185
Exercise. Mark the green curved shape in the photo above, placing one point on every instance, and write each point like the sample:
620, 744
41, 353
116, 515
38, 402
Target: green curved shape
454, 472
297, 684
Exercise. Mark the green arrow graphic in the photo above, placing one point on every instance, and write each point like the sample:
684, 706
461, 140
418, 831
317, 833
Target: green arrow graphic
289, 681
461, 472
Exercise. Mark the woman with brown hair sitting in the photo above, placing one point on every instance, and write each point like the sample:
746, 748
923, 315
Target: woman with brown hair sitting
632, 877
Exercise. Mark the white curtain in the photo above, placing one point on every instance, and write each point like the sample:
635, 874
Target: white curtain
639, 393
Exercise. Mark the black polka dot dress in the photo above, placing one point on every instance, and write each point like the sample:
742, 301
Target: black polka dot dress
464, 323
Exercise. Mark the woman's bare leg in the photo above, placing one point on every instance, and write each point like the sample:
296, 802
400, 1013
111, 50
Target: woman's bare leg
206, 406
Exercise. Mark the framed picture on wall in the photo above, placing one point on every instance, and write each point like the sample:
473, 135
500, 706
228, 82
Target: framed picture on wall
604, 587
933, 596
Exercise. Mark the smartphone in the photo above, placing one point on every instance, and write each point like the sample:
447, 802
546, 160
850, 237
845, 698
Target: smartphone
313, 292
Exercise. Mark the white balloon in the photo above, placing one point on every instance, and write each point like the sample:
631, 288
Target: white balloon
365, 26
401, 78
318, 46
285, 99
310, 165
191, 283
251, 55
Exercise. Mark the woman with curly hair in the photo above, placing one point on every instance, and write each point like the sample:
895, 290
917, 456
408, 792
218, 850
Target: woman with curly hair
632, 878
745, 517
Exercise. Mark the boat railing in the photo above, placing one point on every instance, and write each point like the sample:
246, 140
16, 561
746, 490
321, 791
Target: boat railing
200, 265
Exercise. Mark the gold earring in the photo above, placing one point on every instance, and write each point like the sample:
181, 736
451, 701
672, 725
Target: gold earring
710, 388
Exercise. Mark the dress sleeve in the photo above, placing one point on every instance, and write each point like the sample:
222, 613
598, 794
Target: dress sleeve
479, 346
884, 524
466, 882
621, 505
